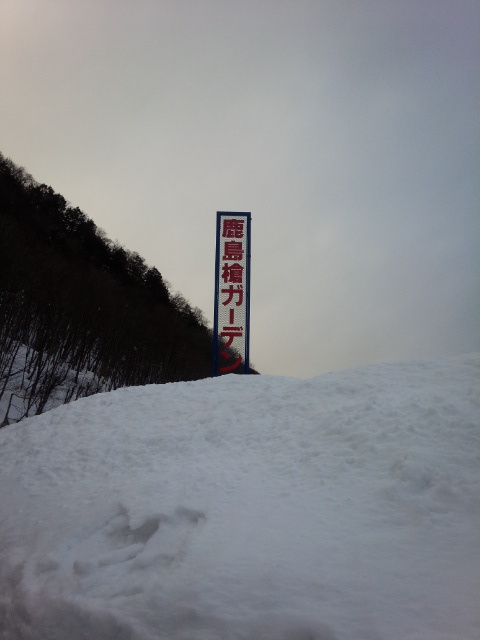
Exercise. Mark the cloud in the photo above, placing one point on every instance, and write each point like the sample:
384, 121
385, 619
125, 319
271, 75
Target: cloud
348, 129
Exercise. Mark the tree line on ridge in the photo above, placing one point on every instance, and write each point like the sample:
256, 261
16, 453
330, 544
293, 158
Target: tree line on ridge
78, 312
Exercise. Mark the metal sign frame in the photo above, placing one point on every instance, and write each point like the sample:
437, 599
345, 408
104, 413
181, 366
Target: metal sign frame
231, 342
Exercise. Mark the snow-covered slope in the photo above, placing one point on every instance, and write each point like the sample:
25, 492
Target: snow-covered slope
343, 507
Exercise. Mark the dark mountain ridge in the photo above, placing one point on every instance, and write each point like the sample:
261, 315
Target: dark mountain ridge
77, 302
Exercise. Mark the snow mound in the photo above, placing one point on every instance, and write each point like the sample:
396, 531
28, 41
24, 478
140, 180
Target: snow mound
345, 507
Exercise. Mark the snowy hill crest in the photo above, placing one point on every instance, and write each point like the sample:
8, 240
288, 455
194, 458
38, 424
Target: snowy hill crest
344, 507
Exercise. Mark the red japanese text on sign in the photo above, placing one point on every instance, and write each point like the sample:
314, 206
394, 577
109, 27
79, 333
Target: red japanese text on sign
233, 251
233, 232
232, 228
231, 291
232, 272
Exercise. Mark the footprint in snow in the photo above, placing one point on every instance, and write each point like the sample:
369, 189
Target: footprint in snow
161, 539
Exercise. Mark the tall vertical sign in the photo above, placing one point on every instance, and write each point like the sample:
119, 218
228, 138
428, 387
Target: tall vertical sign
231, 325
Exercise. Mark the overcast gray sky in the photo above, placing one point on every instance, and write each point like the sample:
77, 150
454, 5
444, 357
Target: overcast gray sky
349, 129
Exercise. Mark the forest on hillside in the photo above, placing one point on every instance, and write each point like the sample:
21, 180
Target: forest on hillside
79, 313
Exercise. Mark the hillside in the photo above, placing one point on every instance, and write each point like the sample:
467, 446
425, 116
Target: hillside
344, 507
79, 313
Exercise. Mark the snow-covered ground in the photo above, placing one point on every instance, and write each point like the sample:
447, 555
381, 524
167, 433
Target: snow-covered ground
343, 507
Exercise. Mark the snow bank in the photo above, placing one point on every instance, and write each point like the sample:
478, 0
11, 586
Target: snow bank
345, 507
